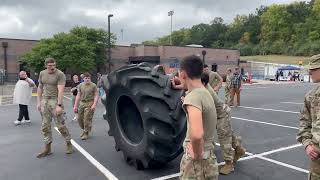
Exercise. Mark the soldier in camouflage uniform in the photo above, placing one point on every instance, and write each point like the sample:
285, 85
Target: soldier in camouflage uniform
309, 129
231, 146
227, 89
215, 80
88, 97
228, 141
49, 103
199, 161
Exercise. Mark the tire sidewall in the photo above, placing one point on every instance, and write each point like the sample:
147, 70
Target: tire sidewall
127, 146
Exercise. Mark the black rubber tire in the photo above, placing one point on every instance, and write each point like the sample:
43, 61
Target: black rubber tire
144, 115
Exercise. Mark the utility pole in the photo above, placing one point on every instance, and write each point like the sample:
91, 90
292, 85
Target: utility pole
109, 44
203, 56
5, 46
170, 13
121, 34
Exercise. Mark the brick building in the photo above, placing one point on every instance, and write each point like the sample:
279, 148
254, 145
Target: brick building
218, 59
10, 51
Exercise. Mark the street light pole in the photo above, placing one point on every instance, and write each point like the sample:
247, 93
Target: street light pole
109, 44
203, 56
5, 46
121, 34
170, 13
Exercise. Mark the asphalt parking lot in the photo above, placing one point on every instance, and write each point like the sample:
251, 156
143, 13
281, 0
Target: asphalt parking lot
267, 121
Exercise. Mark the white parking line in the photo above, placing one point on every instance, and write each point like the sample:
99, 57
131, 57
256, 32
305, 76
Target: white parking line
283, 164
6, 105
277, 110
280, 149
257, 87
67, 97
178, 174
93, 161
291, 103
167, 177
261, 122
252, 156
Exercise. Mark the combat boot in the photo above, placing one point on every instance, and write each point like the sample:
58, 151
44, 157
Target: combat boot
82, 134
239, 152
69, 148
45, 152
227, 168
85, 136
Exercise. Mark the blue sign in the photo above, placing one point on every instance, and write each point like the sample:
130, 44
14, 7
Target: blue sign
174, 65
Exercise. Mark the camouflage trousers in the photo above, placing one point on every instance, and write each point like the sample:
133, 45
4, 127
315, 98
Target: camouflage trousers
85, 115
48, 107
204, 169
227, 95
227, 138
314, 170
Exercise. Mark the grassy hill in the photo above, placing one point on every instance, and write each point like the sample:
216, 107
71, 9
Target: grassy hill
277, 59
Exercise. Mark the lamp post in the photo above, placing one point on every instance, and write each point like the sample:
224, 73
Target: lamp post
170, 13
203, 55
109, 44
5, 46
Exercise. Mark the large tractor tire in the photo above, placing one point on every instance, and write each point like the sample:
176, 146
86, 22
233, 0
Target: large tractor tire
144, 115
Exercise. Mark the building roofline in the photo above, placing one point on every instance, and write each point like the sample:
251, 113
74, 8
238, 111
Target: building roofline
128, 45
19, 39
187, 47
122, 46
201, 47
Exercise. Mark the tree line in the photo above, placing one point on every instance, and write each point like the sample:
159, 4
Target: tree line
284, 29
82, 49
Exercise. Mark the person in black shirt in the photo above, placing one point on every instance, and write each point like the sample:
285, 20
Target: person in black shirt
74, 91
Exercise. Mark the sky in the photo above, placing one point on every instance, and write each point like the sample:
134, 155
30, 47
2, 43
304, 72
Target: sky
134, 21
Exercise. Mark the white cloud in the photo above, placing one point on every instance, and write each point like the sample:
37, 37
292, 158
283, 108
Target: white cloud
140, 19
10, 21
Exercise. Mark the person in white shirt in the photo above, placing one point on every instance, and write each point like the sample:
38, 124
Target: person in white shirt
22, 95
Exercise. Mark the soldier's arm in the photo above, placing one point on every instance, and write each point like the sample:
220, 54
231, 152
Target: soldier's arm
30, 82
76, 103
196, 131
304, 135
96, 97
176, 84
39, 89
219, 78
60, 93
61, 86
223, 115
217, 101
39, 93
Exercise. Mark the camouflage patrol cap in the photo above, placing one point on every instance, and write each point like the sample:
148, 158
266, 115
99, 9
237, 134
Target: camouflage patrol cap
314, 62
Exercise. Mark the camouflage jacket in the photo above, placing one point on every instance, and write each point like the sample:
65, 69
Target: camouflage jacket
309, 128
214, 79
228, 80
223, 110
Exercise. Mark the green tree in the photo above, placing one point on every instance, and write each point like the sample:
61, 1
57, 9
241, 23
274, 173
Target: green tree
291, 29
98, 38
245, 39
83, 49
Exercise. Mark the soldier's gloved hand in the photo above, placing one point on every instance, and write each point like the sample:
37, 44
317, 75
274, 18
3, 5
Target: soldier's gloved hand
312, 152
